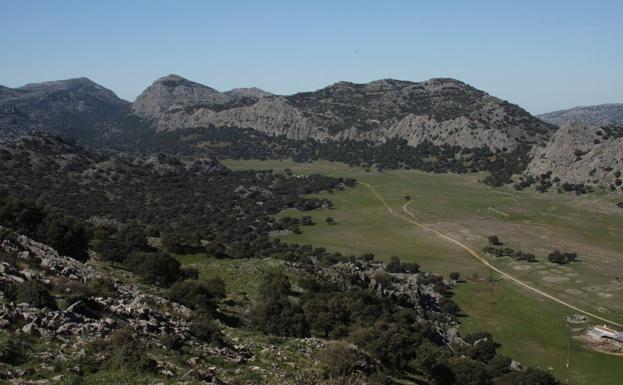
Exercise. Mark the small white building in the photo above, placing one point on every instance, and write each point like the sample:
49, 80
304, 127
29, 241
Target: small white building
604, 332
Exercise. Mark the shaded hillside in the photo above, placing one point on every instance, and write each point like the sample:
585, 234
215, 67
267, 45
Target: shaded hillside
71, 107
599, 115
442, 111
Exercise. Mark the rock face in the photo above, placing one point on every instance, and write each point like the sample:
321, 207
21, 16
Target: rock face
173, 93
581, 153
599, 115
61, 107
443, 111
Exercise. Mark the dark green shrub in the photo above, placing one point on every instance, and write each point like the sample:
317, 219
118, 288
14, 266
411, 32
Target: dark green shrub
197, 294
339, 359
36, 294
12, 351
279, 316
275, 284
156, 269
129, 352
203, 328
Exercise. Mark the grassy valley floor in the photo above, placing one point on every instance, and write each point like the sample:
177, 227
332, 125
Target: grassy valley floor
530, 328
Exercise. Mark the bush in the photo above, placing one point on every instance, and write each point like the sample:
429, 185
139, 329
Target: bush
196, 294
156, 269
12, 351
393, 344
275, 284
561, 258
202, 327
129, 352
339, 359
36, 294
279, 316
495, 241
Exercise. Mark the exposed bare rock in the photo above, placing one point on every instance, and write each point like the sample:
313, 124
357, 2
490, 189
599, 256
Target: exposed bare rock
581, 153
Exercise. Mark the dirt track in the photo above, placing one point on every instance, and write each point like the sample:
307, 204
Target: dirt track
412, 219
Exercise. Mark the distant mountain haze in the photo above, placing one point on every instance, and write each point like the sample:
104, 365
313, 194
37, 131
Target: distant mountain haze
602, 114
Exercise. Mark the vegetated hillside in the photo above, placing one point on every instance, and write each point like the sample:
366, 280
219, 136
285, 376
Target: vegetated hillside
441, 111
71, 107
581, 154
599, 115
145, 318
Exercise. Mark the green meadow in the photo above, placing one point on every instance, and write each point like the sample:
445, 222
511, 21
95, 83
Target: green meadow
529, 327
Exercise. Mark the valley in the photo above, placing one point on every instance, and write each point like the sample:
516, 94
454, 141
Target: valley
529, 327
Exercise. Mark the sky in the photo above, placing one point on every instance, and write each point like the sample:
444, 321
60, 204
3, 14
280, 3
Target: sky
543, 55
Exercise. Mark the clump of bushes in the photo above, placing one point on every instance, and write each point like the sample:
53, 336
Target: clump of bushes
12, 350
198, 295
561, 258
340, 359
276, 313
65, 234
36, 294
494, 249
203, 328
396, 266
157, 269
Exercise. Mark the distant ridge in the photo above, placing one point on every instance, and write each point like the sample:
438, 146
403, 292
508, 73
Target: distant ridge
599, 115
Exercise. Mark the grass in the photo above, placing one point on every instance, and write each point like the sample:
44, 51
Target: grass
242, 276
531, 329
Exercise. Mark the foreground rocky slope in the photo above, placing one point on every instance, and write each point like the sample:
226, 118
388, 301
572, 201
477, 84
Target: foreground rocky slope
598, 115
582, 154
67, 107
442, 111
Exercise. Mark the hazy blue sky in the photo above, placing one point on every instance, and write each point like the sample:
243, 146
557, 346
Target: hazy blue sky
542, 55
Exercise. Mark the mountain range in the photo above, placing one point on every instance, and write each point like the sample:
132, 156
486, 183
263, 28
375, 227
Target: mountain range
437, 112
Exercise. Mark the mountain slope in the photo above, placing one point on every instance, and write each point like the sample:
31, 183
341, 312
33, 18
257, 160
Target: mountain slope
581, 153
67, 107
597, 115
442, 111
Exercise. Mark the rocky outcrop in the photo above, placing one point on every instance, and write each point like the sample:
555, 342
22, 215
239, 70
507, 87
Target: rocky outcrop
71, 329
581, 153
413, 290
443, 111
598, 115
67, 107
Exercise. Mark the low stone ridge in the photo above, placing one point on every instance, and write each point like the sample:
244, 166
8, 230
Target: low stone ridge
598, 115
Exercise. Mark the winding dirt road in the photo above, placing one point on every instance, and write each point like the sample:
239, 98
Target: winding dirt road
412, 219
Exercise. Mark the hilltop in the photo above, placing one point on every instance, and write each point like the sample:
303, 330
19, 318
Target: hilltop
72, 107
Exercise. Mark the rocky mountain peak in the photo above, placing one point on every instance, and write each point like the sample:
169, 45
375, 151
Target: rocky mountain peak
60, 107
